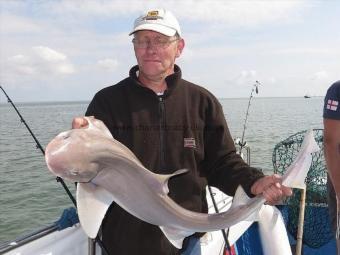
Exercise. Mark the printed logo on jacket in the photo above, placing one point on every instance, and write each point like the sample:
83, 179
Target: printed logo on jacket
189, 142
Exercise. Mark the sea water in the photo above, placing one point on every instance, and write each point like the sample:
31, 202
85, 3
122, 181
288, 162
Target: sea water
30, 197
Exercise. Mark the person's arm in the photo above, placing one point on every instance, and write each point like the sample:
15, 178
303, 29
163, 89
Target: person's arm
332, 151
227, 170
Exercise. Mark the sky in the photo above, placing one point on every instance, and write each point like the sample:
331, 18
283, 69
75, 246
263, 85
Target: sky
67, 50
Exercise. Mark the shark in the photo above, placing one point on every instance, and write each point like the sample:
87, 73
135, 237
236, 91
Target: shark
107, 171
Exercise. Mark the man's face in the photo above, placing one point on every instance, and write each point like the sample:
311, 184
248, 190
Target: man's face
156, 53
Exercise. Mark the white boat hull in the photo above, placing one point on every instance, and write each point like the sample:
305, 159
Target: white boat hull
73, 240
70, 241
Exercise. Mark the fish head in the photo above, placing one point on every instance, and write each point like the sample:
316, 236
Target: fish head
98, 127
74, 155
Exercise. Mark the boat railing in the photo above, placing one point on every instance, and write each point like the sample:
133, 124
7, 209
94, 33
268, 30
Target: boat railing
242, 149
68, 218
27, 238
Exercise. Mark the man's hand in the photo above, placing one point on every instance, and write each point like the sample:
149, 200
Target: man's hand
271, 189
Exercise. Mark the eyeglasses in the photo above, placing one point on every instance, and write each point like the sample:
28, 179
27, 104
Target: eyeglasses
157, 43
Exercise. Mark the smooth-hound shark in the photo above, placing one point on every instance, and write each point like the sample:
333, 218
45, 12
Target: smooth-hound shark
107, 171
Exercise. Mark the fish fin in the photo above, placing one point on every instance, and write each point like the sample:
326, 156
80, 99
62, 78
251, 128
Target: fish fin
241, 198
309, 142
175, 236
92, 204
297, 172
164, 178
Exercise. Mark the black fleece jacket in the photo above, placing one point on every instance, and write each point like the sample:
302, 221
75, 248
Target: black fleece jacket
183, 128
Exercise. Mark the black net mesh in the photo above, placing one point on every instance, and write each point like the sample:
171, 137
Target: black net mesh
317, 229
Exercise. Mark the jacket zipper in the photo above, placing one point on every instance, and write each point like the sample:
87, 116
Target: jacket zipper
161, 133
173, 251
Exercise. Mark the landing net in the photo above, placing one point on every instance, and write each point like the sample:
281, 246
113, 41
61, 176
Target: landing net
317, 228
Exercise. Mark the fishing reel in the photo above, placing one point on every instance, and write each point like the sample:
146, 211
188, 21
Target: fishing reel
238, 142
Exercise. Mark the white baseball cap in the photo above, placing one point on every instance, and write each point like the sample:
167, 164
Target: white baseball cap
159, 20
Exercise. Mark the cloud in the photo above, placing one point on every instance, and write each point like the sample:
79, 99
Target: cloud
17, 24
271, 80
48, 54
231, 13
21, 64
240, 13
305, 50
246, 76
229, 44
40, 61
320, 75
107, 64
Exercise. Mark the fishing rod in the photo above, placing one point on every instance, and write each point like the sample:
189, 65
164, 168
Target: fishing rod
243, 143
224, 233
38, 145
59, 179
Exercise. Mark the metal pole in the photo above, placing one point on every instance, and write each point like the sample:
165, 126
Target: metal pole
91, 246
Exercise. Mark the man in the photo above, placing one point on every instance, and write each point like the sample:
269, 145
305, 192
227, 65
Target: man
170, 123
331, 115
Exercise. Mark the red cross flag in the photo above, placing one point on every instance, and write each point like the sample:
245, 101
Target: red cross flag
332, 105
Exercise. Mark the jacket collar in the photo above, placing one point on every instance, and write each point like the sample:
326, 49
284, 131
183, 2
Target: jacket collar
171, 80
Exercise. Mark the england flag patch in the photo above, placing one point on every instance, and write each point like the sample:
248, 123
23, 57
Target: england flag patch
332, 105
